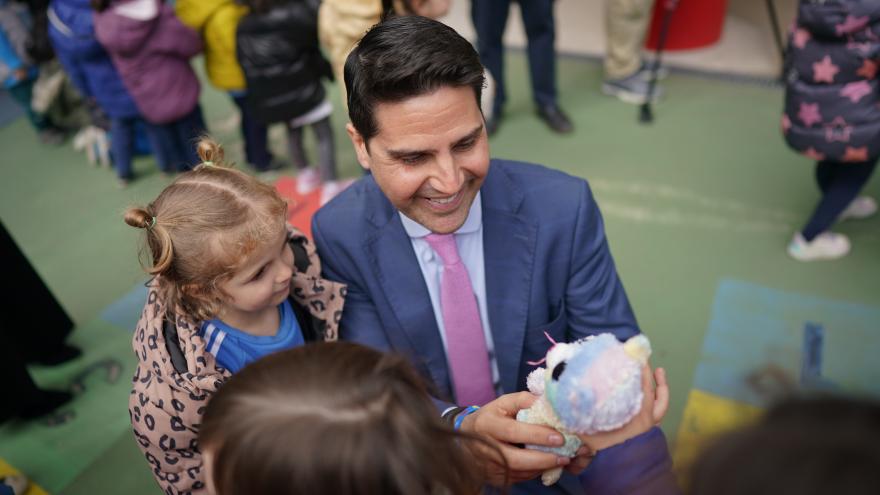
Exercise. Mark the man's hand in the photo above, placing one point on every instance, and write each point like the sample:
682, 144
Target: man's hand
654, 406
496, 422
20, 74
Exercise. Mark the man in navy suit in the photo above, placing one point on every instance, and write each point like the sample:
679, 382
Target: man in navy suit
528, 242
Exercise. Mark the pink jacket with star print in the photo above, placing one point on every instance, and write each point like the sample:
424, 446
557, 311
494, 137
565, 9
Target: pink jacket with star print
832, 98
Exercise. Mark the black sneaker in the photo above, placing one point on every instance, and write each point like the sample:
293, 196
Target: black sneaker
58, 355
555, 119
43, 403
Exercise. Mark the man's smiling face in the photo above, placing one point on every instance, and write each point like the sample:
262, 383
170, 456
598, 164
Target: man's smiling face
430, 155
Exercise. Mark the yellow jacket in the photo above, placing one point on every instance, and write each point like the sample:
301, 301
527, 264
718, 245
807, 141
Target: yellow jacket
216, 21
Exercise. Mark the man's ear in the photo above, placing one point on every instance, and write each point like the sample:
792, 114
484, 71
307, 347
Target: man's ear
360, 146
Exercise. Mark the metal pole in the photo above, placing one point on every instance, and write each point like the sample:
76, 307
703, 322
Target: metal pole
646, 115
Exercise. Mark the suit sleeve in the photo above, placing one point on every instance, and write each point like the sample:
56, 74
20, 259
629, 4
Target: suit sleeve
595, 299
360, 319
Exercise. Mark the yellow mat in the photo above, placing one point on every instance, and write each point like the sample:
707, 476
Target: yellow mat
6, 469
706, 415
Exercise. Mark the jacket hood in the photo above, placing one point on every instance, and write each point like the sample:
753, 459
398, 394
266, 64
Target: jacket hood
196, 13
838, 18
202, 375
127, 26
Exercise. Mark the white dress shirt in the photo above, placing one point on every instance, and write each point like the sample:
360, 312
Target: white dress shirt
469, 240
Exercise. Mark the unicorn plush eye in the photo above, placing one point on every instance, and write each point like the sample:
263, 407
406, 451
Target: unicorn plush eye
557, 371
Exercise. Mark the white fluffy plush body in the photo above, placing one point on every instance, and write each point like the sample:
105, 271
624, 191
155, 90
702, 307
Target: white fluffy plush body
590, 385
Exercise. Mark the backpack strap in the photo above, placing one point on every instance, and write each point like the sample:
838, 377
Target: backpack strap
172, 345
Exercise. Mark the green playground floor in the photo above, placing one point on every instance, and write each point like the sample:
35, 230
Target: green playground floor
707, 193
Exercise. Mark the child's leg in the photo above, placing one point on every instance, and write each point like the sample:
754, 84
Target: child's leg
122, 145
189, 129
843, 181
326, 149
22, 93
255, 134
825, 174
161, 139
295, 144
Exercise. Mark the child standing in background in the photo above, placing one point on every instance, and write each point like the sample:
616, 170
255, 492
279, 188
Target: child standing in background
72, 33
151, 49
832, 114
18, 73
278, 49
217, 20
232, 283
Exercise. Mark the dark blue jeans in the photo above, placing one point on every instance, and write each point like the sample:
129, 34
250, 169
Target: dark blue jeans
5, 489
174, 144
255, 134
840, 183
490, 17
122, 144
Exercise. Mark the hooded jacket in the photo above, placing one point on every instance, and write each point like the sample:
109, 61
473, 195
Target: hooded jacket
151, 49
832, 90
282, 62
216, 20
176, 375
72, 34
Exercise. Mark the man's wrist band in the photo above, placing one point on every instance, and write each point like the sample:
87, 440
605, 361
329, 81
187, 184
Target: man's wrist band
449, 415
463, 414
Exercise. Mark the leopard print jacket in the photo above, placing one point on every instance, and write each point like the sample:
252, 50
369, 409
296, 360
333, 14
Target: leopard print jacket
168, 397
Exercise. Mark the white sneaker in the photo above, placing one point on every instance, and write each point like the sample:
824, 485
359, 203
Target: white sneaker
825, 246
307, 181
861, 207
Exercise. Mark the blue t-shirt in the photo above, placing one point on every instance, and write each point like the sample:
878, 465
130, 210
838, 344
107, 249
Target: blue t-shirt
234, 349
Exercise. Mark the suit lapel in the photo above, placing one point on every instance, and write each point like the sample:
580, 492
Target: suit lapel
508, 251
397, 270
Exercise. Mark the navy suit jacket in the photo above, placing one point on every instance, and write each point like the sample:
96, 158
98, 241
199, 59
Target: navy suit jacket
547, 263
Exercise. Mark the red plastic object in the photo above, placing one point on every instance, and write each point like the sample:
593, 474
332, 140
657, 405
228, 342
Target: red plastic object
300, 208
695, 24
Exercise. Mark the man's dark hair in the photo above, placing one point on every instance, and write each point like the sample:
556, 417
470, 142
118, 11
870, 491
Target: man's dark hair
403, 57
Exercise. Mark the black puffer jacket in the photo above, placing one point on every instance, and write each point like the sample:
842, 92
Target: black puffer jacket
282, 63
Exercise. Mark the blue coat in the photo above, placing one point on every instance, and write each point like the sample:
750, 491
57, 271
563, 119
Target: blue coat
548, 269
832, 101
72, 33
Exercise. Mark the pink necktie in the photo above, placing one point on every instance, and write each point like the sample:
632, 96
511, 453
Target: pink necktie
465, 340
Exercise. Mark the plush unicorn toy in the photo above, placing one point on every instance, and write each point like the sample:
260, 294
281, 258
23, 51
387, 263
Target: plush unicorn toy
588, 386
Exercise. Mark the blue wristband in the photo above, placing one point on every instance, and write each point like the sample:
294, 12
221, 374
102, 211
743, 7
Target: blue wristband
468, 410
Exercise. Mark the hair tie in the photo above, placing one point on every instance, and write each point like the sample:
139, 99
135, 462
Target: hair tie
208, 163
152, 223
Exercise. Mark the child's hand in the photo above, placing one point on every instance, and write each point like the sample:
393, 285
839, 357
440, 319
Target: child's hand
20, 74
496, 422
654, 406
430, 8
